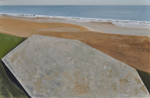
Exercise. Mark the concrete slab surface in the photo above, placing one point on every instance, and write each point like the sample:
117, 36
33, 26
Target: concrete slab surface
52, 67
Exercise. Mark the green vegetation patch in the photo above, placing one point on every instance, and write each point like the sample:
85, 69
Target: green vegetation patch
7, 42
7, 88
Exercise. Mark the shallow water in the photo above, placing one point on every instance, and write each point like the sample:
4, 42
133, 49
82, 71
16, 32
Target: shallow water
137, 13
127, 16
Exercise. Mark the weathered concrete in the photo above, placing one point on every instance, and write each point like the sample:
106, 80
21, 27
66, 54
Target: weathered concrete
54, 67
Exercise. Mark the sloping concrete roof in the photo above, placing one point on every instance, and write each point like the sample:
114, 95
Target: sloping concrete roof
55, 67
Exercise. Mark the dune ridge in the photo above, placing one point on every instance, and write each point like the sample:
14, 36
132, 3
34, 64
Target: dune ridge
130, 49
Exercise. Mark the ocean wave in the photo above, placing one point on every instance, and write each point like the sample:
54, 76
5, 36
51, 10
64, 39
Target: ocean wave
120, 23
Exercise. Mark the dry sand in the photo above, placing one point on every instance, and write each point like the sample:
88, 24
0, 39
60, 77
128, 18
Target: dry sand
130, 48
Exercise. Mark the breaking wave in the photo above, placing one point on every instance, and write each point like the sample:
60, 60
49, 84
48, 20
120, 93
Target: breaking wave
120, 23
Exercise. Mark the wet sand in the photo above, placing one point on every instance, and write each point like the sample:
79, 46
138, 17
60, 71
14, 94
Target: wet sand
130, 48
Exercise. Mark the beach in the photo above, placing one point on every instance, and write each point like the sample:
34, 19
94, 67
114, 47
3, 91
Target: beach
128, 45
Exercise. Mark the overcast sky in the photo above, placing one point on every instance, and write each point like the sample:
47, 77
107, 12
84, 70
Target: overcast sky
74, 2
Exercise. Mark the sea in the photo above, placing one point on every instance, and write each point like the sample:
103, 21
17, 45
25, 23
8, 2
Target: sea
120, 15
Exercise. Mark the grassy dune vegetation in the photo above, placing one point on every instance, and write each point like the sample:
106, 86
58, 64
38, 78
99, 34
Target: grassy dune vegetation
7, 88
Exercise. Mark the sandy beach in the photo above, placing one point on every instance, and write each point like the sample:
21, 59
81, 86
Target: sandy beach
128, 45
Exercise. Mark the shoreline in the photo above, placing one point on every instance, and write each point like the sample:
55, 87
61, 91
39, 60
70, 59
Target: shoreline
79, 19
125, 45
92, 26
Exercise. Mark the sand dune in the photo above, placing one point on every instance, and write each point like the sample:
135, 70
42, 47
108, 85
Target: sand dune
132, 50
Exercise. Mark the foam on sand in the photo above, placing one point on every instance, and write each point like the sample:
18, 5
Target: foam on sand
56, 67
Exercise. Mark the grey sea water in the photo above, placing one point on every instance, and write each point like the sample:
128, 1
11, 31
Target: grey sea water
121, 15
119, 12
